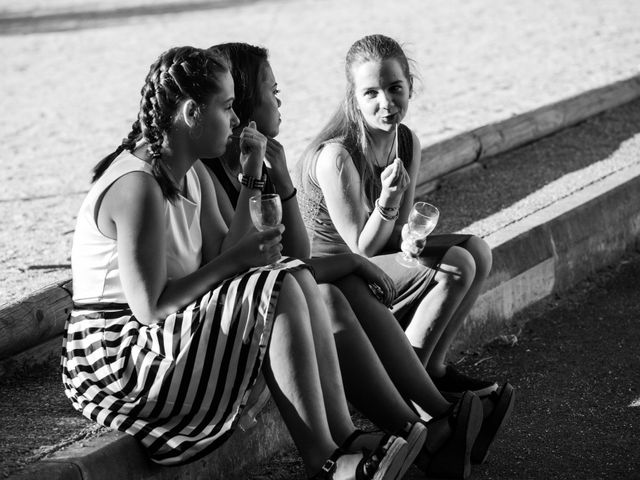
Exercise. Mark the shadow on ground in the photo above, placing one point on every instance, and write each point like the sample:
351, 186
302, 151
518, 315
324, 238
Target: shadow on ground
513, 176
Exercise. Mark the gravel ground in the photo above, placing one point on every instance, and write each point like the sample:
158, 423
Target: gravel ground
70, 96
609, 142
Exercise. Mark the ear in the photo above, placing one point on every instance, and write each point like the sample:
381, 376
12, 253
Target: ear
410, 86
190, 113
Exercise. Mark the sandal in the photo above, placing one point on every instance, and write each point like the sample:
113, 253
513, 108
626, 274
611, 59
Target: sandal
415, 435
382, 464
453, 459
363, 471
502, 401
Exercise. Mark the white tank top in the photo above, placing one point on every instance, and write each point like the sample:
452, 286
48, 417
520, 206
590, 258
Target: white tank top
94, 257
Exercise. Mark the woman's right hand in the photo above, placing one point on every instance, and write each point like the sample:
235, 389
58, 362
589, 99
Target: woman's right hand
257, 249
395, 180
253, 145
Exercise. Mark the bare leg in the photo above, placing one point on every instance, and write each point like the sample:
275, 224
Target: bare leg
340, 423
366, 381
392, 347
436, 309
482, 258
292, 374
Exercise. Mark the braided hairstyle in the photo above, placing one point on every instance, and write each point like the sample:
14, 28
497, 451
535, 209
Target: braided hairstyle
178, 74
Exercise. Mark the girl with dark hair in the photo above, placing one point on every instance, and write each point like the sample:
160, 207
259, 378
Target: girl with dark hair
174, 334
356, 197
379, 382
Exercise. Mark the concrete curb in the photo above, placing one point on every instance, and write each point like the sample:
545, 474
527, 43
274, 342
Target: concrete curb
543, 253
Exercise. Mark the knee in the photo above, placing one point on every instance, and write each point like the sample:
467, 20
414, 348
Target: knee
482, 256
457, 269
340, 312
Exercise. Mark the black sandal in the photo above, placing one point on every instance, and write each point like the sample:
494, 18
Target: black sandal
453, 459
364, 471
503, 400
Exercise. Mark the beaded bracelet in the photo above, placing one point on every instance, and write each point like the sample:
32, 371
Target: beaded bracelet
289, 197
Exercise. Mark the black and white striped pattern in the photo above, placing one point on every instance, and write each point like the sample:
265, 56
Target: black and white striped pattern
180, 386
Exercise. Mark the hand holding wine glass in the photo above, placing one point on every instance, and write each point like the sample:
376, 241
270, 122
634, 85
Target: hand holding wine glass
266, 212
422, 220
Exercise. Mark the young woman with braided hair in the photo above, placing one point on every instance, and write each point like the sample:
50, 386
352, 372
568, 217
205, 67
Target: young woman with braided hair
174, 332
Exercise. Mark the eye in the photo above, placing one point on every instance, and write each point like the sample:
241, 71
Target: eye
370, 93
396, 89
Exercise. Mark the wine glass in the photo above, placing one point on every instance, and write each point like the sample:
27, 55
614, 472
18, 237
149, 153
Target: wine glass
266, 212
422, 220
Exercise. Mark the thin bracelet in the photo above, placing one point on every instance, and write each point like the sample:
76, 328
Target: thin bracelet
387, 210
289, 197
387, 216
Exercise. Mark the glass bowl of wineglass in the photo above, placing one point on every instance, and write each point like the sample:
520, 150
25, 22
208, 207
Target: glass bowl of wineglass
266, 212
423, 218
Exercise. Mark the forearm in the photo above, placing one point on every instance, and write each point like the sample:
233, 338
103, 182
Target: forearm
177, 293
331, 268
295, 241
241, 222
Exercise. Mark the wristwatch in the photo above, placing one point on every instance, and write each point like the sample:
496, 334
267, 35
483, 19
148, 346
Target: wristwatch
252, 182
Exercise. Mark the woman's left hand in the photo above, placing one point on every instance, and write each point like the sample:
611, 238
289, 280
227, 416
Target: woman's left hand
380, 283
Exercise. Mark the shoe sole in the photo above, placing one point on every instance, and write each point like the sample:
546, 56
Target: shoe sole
494, 423
393, 460
415, 441
446, 463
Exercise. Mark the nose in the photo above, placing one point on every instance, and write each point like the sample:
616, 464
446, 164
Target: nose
385, 101
235, 121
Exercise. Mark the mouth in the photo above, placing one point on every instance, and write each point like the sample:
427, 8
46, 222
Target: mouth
393, 118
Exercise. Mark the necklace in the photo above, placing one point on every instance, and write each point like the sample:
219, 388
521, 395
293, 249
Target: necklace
385, 163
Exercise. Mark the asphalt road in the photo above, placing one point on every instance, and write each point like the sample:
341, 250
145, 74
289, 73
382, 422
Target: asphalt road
575, 367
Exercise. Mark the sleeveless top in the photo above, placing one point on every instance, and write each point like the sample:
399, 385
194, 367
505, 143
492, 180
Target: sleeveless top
324, 238
94, 256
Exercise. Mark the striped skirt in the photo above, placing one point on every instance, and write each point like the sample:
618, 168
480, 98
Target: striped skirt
180, 386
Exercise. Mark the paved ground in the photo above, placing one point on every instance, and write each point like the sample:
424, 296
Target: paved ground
561, 410
575, 368
69, 96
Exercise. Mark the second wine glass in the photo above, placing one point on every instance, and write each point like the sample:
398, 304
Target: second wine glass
266, 212
423, 218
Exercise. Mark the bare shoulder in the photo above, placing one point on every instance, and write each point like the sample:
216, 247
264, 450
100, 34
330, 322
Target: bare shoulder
132, 194
333, 159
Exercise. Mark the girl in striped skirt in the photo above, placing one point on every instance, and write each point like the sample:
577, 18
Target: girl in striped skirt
176, 326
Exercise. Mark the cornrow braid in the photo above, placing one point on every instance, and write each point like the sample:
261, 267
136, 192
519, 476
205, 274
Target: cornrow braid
128, 143
178, 74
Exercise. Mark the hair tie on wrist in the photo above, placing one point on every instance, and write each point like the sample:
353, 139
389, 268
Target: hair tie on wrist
290, 196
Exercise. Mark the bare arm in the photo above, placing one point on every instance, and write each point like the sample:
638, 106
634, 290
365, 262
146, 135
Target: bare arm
409, 195
135, 206
295, 241
364, 233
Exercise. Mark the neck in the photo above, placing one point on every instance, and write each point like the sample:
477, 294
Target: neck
382, 144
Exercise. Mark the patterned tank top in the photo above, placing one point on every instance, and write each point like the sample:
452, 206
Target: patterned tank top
323, 236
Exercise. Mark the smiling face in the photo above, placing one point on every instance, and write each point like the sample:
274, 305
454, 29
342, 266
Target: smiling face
218, 120
266, 112
382, 93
